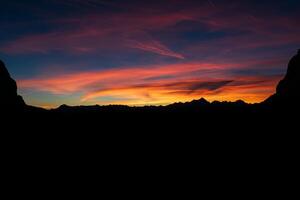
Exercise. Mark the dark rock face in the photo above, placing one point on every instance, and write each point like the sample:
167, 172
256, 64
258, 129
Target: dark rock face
9, 99
288, 89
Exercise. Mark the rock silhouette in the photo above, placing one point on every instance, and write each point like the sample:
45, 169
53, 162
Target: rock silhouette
288, 90
9, 99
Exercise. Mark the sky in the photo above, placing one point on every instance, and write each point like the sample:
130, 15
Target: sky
150, 52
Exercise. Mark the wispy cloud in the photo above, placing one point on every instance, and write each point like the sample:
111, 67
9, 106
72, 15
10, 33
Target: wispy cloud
154, 47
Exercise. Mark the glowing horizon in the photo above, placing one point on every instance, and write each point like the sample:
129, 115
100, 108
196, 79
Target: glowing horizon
159, 85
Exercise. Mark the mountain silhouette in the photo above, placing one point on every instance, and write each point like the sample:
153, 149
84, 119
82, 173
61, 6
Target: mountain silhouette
9, 99
199, 123
287, 96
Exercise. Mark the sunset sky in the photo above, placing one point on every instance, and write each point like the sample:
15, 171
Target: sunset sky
147, 52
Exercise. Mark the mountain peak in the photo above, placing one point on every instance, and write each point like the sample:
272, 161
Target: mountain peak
203, 101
